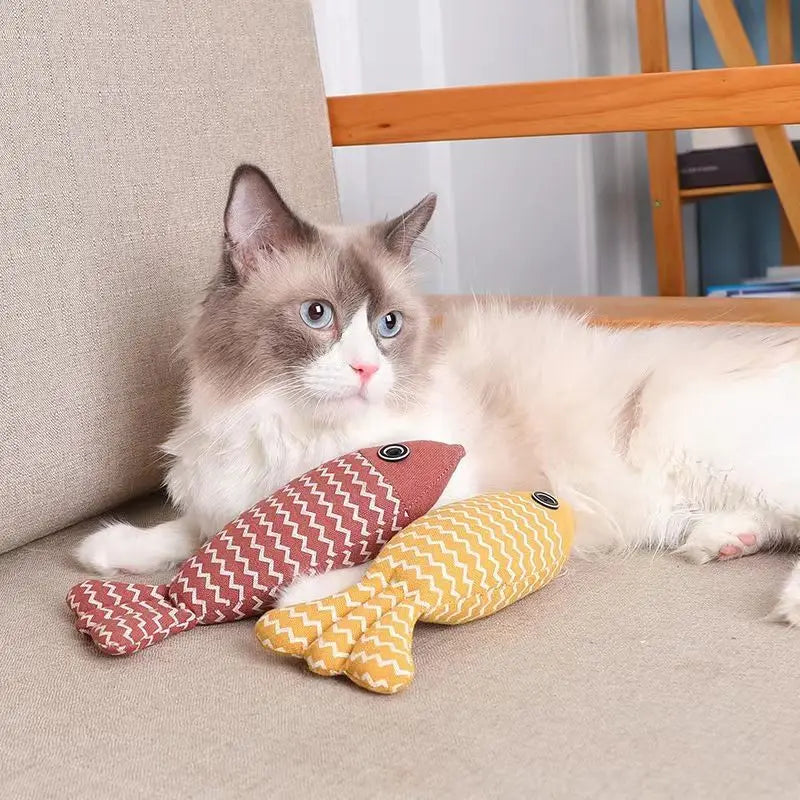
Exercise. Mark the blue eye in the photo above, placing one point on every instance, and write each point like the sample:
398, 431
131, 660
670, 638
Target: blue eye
316, 314
389, 325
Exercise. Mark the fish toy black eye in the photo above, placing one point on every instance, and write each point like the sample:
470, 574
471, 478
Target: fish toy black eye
545, 499
394, 452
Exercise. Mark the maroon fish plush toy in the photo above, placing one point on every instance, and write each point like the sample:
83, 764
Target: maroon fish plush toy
337, 515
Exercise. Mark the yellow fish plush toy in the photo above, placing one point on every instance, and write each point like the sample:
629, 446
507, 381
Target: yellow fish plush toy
456, 564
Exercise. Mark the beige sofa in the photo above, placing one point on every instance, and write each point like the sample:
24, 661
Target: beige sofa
120, 124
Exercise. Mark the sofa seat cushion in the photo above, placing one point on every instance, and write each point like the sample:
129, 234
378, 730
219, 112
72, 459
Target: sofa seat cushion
646, 677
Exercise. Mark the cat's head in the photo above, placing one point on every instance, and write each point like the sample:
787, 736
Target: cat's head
328, 318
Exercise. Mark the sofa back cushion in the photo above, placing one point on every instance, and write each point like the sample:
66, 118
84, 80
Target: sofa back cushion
121, 124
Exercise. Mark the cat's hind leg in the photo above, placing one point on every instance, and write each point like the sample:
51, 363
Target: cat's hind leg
720, 536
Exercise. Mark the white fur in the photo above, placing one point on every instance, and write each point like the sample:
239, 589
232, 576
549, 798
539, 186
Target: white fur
332, 376
653, 435
788, 608
123, 547
313, 587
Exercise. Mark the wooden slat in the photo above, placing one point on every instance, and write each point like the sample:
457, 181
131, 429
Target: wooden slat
773, 142
690, 195
649, 311
768, 95
779, 31
662, 158
728, 32
781, 51
790, 252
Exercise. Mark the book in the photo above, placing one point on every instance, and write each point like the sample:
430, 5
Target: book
788, 272
727, 166
756, 289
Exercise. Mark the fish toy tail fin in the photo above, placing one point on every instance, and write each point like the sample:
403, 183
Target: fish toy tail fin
381, 659
364, 633
122, 618
293, 629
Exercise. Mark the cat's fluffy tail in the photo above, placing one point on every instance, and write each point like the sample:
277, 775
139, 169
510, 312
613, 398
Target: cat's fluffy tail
364, 633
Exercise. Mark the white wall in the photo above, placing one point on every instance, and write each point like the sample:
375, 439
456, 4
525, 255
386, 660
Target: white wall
519, 203
561, 215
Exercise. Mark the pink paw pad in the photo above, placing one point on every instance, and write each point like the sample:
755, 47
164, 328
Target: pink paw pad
730, 551
747, 539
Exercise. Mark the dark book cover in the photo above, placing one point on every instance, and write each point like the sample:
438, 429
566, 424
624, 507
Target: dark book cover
725, 166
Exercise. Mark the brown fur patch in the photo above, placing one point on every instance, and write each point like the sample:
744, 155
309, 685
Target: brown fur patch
249, 334
629, 418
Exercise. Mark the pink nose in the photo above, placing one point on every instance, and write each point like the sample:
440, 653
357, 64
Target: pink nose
365, 371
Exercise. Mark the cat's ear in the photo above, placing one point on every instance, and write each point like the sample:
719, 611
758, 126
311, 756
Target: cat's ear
400, 233
257, 218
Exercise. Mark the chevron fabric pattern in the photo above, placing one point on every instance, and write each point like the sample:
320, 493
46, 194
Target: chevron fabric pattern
456, 564
337, 515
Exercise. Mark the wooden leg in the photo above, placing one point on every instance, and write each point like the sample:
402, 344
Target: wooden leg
779, 31
662, 159
776, 148
790, 252
781, 51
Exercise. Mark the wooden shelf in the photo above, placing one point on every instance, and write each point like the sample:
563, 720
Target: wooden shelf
648, 311
690, 195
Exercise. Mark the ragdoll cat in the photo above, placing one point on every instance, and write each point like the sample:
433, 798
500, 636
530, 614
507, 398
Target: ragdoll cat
313, 341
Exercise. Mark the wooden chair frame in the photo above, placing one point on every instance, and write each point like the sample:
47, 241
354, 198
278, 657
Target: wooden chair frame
749, 96
773, 142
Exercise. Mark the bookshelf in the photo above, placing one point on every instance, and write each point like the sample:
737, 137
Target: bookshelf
775, 147
692, 195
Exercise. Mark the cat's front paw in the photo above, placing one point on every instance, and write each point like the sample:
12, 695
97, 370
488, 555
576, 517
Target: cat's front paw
121, 547
722, 537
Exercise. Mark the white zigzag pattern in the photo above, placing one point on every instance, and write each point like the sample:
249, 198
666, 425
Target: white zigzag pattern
314, 489
369, 470
468, 538
349, 533
373, 505
328, 647
247, 535
267, 532
358, 530
388, 493
311, 519
436, 539
496, 539
291, 528
362, 657
424, 559
127, 631
124, 617
503, 515
386, 641
366, 614
214, 586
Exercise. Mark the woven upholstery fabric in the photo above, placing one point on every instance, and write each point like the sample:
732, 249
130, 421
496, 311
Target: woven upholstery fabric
460, 563
121, 124
644, 677
337, 515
